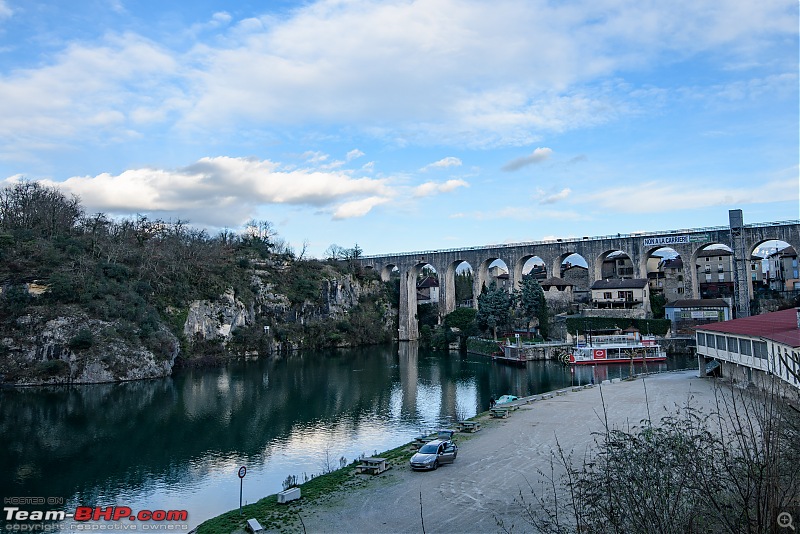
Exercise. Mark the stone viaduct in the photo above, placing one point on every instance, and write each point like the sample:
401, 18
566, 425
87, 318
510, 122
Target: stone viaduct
740, 238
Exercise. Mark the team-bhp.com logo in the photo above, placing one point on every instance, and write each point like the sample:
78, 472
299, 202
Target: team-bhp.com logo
91, 517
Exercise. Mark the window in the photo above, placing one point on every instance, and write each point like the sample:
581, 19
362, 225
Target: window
721, 277
720, 269
680, 291
710, 341
760, 349
701, 339
745, 347
607, 295
708, 259
708, 278
708, 268
721, 343
625, 295
733, 344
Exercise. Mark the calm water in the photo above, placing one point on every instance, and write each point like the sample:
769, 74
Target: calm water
177, 443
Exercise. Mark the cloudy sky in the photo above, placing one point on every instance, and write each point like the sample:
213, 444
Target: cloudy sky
408, 125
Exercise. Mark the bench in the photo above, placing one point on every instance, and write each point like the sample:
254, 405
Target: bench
577, 388
254, 526
546, 396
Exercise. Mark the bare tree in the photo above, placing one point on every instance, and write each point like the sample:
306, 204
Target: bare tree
733, 470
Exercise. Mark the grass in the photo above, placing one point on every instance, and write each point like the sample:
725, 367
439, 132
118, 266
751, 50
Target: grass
286, 517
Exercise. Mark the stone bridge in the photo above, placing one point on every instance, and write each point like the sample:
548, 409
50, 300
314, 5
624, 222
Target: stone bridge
742, 240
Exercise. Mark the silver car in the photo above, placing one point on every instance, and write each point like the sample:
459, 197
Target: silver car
434, 453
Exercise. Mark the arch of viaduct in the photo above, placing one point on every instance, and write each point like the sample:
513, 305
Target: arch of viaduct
742, 239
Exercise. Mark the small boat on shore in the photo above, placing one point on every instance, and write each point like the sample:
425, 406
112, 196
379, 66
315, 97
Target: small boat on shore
624, 348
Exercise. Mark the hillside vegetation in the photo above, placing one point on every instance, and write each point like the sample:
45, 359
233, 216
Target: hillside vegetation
83, 290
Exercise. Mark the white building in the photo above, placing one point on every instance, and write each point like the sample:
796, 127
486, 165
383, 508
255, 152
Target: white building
753, 349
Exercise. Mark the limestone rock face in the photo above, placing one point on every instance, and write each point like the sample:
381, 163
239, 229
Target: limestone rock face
75, 349
218, 319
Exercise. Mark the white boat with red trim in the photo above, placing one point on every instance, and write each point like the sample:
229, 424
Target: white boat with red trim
617, 349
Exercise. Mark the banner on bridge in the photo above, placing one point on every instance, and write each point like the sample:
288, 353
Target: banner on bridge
671, 240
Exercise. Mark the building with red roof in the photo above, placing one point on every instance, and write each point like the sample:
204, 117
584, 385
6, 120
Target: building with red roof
751, 349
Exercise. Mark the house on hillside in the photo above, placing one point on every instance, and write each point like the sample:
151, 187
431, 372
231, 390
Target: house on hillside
617, 265
783, 270
714, 272
621, 294
428, 290
667, 278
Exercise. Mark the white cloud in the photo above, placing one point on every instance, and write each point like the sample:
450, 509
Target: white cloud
537, 156
552, 198
658, 197
522, 213
117, 7
433, 188
443, 163
225, 191
5, 11
358, 208
89, 92
469, 73
354, 154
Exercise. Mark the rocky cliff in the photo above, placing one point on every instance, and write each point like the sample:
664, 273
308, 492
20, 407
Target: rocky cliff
72, 348
64, 345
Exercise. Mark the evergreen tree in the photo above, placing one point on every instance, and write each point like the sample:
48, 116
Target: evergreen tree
463, 284
532, 304
494, 309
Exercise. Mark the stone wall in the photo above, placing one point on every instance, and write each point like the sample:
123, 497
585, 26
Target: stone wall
639, 313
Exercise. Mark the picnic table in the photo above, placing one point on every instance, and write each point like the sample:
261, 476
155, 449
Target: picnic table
372, 466
470, 426
500, 412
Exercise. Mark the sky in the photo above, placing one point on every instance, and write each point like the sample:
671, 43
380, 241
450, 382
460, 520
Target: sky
407, 125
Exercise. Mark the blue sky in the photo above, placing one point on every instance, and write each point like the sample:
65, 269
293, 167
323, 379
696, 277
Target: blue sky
409, 125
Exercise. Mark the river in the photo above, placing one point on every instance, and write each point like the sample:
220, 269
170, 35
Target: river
177, 443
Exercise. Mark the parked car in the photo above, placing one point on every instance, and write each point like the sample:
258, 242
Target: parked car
435, 453
505, 399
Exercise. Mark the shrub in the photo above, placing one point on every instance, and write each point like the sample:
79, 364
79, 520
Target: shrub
82, 340
52, 368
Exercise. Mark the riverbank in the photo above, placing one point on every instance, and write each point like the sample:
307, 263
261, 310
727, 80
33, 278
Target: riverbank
493, 465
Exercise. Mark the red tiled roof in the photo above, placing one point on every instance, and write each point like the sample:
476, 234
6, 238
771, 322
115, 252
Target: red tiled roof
779, 326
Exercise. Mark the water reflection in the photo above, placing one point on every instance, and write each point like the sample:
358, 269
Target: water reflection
177, 443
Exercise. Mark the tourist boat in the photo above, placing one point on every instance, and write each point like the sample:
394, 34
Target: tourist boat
617, 349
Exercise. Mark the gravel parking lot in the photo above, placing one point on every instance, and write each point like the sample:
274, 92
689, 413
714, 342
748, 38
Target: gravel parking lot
494, 464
